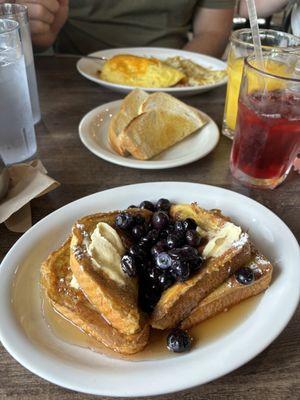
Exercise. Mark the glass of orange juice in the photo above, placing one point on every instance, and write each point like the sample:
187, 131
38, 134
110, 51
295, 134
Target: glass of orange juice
241, 46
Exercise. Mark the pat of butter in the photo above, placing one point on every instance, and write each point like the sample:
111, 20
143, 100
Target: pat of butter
74, 284
106, 250
222, 240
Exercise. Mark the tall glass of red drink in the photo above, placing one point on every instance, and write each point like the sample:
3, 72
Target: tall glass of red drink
267, 137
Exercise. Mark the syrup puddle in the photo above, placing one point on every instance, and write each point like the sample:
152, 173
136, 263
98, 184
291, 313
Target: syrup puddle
32, 311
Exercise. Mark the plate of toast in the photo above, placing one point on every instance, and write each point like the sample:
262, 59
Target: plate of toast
148, 131
115, 293
178, 72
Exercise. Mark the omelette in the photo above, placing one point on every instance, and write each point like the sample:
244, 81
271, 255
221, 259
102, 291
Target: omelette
127, 69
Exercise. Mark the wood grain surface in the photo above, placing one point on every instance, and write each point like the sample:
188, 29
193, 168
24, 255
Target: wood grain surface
65, 97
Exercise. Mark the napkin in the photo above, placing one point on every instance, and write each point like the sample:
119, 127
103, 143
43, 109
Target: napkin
26, 181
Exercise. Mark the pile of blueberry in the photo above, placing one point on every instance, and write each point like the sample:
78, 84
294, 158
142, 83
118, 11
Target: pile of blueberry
164, 251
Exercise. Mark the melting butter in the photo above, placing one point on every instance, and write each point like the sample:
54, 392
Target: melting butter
222, 240
74, 283
106, 250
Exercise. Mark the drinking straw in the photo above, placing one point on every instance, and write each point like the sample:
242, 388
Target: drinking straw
255, 32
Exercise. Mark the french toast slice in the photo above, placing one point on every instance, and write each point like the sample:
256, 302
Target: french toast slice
71, 303
227, 248
112, 292
231, 292
129, 109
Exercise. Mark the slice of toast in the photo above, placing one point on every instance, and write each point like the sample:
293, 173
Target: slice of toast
231, 292
129, 109
226, 250
150, 133
114, 296
164, 101
71, 303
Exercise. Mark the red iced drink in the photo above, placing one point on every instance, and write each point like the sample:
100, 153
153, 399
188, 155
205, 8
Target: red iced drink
267, 137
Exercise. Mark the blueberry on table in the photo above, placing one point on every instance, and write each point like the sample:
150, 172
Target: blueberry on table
147, 205
193, 238
163, 205
244, 275
124, 220
128, 265
160, 220
163, 260
189, 223
179, 341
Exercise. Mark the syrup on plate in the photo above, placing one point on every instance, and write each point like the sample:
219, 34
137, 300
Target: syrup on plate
202, 333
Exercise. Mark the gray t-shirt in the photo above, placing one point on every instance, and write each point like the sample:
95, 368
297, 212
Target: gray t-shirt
95, 25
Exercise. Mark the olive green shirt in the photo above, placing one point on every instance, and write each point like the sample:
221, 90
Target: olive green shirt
101, 24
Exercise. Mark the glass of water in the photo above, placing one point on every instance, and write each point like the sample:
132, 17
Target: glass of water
17, 136
19, 13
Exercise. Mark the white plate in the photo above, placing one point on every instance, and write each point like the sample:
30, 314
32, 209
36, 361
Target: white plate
88, 68
82, 370
93, 132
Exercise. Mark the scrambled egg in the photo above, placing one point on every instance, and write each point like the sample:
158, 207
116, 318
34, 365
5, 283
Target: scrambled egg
195, 73
126, 69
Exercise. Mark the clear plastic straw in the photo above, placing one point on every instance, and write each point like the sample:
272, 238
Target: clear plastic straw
255, 33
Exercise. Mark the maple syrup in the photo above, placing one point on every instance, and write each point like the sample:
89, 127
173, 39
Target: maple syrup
29, 304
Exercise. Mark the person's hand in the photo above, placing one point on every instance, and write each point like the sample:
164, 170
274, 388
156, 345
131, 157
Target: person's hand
46, 18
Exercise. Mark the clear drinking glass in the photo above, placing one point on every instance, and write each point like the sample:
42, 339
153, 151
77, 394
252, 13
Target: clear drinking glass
18, 12
241, 46
17, 136
267, 136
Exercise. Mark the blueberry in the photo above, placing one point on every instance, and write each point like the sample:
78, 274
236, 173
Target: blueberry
138, 231
137, 251
196, 263
124, 220
193, 238
180, 270
139, 219
175, 240
189, 252
147, 205
150, 238
160, 220
132, 206
163, 260
159, 247
163, 205
244, 275
149, 295
165, 280
179, 341
189, 223
128, 265
179, 227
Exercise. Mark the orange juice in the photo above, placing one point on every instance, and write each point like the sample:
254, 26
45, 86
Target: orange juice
235, 71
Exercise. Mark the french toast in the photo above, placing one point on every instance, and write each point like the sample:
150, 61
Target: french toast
227, 249
129, 109
113, 293
232, 292
71, 304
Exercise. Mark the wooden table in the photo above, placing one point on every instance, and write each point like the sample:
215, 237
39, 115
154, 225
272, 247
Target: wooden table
65, 97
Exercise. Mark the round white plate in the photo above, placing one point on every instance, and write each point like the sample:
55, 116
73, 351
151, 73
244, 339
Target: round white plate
93, 132
88, 68
37, 349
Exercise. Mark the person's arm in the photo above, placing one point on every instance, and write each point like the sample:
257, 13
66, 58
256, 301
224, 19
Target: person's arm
264, 8
46, 18
211, 29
